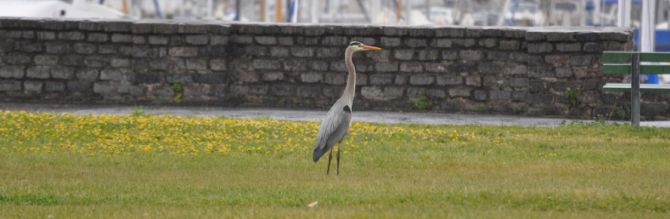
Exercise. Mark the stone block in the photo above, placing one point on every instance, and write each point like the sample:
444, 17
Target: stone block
560, 36
57, 47
105, 88
33, 86
381, 79
435, 67
197, 39
183, 51
414, 42
465, 43
281, 90
509, 45
45, 35
329, 52
500, 95
318, 65
10, 71
515, 69
248, 77
295, 65
442, 43
273, 76
311, 77
540, 47
212, 78
593, 47
119, 62
54, 86
473, 80
518, 82
116, 74
139, 40
381, 94
460, 91
615, 36
436, 93
107, 49
96, 61
285, 41
568, 47
488, 42
84, 48
309, 91
38, 72
479, 95
26, 46
450, 32
79, 86
17, 58
196, 64
156, 64
411, 67
361, 79
87, 74
581, 60
386, 66
10, 85
450, 55
62, 72
266, 64
97, 37
217, 64
471, 55
404, 54
390, 41
242, 39
335, 41
449, 79
334, 78
181, 78
489, 68
121, 38
279, 52
302, 51
218, 40
427, 55
266, 40
563, 72
71, 35
158, 40
421, 79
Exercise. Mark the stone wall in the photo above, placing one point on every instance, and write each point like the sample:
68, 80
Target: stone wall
446, 69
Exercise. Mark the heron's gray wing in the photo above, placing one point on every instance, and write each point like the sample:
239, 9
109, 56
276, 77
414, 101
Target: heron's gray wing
333, 128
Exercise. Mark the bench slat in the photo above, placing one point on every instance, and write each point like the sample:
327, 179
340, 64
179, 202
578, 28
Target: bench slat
643, 87
626, 56
644, 68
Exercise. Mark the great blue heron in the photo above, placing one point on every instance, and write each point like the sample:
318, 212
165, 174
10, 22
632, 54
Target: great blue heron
336, 124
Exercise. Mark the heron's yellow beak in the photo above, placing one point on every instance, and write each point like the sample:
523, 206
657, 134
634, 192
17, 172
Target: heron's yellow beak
371, 48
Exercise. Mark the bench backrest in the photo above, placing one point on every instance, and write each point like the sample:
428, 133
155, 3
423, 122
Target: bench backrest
619, 62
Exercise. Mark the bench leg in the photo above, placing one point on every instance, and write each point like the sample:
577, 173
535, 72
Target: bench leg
635, 92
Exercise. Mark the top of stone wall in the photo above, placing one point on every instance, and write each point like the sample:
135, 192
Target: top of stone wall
217, 27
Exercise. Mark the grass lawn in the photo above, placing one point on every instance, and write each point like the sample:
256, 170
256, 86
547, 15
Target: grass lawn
69, 166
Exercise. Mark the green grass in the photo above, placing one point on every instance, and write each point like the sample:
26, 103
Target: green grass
572, 171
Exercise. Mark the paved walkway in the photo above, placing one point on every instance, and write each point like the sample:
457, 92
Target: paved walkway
309, 115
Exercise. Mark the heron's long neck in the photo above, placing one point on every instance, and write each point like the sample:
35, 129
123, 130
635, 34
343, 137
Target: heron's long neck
350, 89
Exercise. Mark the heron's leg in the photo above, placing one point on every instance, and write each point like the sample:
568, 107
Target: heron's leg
339, 150
330, 157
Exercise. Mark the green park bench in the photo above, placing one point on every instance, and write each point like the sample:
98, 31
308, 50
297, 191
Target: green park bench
635, 63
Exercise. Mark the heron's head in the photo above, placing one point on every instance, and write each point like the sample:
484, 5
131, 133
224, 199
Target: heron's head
358, 46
